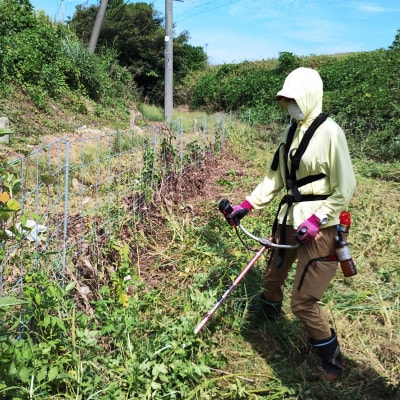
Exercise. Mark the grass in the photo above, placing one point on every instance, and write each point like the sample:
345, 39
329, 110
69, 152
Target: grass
138, 340
364, 309
257, 360
151, 112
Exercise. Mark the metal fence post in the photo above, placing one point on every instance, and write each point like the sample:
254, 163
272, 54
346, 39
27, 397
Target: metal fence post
222, 131
66, 197
154, 158
204, 128
5, 124
181, 146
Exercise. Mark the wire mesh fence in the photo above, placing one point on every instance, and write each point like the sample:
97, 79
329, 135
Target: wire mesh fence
74, 190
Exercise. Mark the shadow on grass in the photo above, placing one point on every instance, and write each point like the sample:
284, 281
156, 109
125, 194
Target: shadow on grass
285, 348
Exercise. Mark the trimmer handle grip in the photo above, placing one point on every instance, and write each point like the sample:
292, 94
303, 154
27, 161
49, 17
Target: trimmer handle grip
225, 207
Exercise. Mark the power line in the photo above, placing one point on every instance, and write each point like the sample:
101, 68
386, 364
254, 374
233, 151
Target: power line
204, 10
65, 8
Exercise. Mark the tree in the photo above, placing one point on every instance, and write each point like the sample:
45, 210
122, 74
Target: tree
396, 43
287, 62
15, 16
136, 32
24, 3
186, 57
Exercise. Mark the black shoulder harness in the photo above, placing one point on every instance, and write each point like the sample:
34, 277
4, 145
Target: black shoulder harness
295, 157
291, 182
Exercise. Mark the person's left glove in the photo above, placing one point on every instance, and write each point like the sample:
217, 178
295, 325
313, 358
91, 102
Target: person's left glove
308, 229
239, 212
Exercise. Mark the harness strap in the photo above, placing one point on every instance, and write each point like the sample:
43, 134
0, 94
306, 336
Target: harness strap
301, 182
309, 179
289, 139
295, 156
289, 200
291, 182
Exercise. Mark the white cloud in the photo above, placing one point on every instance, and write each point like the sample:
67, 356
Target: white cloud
371, 8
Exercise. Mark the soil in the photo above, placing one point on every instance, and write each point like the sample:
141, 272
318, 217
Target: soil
199, 182
191, 191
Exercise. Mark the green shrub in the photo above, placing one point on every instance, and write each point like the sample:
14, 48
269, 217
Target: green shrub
361, 92
47, 59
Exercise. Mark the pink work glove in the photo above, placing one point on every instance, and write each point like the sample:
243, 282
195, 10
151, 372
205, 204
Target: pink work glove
308, 229
239, 212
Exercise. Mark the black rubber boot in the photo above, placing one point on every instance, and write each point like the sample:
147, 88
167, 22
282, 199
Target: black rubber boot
329, 351
271, 309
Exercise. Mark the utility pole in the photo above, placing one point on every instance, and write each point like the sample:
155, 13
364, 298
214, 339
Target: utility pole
94, 37
168, 70
169, 55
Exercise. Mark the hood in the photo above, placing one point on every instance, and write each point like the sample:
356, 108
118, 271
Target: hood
305, 86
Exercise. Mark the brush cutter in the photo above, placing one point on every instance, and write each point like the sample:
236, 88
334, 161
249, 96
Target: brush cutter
226, 209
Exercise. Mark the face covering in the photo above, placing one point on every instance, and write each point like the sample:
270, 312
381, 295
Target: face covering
294, 111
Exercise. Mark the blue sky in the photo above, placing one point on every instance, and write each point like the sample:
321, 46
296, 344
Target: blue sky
232, 31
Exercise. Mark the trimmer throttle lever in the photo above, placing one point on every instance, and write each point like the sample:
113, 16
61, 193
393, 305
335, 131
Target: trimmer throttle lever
226, 208
300, 234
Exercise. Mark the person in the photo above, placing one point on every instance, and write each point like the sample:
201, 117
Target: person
313, 166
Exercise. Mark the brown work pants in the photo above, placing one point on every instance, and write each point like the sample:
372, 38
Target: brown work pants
314, 282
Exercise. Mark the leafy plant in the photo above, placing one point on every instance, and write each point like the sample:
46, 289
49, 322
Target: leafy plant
356, 92
47, 60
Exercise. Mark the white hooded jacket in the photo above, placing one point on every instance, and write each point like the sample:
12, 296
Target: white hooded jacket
327, 153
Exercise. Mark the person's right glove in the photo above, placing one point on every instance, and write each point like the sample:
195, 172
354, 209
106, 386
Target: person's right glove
239, 212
